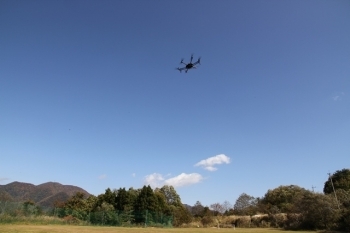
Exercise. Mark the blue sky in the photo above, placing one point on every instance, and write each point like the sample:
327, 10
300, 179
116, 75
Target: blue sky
89, 94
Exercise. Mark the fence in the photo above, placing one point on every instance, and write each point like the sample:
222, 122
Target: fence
100, 217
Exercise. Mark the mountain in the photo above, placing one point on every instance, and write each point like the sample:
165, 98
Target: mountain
44, 195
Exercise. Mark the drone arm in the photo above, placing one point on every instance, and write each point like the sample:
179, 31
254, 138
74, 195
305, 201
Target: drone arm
182, 62
197, 62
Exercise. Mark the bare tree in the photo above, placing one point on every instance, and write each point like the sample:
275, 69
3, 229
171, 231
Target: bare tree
227, 206
217, 208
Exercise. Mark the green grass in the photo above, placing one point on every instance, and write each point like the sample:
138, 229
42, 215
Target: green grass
93, 229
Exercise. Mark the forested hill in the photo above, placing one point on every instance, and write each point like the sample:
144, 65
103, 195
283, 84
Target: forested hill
43, 195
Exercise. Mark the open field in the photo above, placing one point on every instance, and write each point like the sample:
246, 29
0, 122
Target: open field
94, 229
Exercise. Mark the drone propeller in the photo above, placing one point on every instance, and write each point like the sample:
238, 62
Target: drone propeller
182, 61
199, 60
191, 57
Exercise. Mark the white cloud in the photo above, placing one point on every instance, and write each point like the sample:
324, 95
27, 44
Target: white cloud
102, 177
157, 180
184, 179
209, 163
154, 180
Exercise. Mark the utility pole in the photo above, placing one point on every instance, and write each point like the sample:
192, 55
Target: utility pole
313, 187
329, 174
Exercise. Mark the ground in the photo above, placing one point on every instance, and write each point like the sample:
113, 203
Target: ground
92, 229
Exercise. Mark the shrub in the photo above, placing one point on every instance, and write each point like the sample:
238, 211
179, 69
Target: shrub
207, 220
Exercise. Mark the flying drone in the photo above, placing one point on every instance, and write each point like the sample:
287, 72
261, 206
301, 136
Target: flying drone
189, 65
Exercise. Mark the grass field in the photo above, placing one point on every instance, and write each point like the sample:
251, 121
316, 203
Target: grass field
93, 229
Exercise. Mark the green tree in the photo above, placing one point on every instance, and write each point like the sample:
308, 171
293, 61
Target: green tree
171, 196
122, 199
145, 204
162, 205
207, 218
91, 203
133, 194
343, 198
198, 209
340, 179
105, 215
245, 205
180, 215
173, 205
125, 205
29, 208
146, 200
76, 206
344, 221
77, 201
318, 211
109, 197
282, 199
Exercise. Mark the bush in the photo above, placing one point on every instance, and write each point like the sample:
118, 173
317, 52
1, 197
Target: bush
277, 220
261, 220
71, 220
207, 220
293, 222
243, 221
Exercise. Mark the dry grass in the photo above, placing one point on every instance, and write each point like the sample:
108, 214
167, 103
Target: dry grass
92, 229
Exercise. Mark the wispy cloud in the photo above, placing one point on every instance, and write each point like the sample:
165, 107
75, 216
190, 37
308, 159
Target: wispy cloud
158, 180
133, 174
102, 177
338, 96
209, 163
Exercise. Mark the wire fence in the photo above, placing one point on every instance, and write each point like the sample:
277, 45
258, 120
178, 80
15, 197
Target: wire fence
14, 210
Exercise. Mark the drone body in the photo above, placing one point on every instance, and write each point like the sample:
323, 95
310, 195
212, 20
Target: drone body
189, 65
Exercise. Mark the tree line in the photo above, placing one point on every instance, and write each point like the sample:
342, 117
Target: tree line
290, 207
145, 206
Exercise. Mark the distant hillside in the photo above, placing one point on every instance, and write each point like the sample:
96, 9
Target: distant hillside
43, 195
